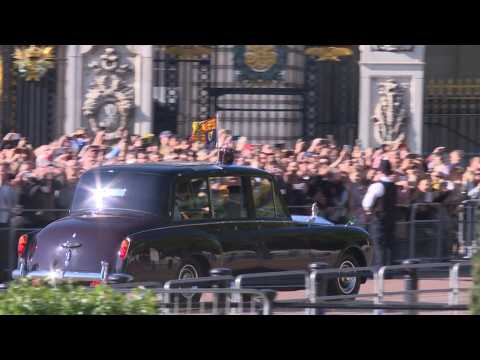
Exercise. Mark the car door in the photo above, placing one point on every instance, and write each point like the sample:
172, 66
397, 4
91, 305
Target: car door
191, 232
284, 247
326, 242
237, 228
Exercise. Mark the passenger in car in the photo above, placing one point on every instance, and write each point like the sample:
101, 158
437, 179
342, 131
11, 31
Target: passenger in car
182, 202
233, 203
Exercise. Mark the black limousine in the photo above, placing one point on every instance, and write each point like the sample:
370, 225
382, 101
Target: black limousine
159, 222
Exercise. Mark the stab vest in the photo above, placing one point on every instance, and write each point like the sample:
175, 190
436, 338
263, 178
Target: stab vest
385, 206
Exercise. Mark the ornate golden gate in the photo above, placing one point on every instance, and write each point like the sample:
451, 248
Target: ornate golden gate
28, 99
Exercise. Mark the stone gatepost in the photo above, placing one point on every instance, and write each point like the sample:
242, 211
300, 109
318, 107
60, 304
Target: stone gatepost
108, 86
391, 95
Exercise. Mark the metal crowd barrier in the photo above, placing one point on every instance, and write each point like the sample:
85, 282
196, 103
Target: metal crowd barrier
435, 224
410, 272
179, 302
314, 281
469, 228
316, 303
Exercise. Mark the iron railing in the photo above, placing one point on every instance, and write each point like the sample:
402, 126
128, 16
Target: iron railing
316, 301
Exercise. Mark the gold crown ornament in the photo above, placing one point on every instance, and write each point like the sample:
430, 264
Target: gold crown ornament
189, 52
33, 62
331, 53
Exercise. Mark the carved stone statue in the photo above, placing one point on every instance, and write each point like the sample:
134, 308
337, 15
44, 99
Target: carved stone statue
110, 99
391, 113
393, 48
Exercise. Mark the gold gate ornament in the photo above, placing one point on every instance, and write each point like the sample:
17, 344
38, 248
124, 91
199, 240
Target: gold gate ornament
34, 61
328, 53
189, 52
261, 58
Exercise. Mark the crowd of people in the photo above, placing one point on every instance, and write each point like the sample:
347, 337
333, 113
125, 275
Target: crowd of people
336, 178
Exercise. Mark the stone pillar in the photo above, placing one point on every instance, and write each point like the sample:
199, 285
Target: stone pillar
83, 84
61, 97
143, 85
73, 89
392, 69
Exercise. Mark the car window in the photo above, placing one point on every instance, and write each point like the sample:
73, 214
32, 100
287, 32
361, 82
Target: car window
262, 191
120, 190
228, 198
191, 200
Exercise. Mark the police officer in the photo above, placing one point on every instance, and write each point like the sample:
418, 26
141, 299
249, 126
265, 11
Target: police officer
380, 204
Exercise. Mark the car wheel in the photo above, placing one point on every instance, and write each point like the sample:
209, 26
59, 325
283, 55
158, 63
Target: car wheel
191, 269
344, 286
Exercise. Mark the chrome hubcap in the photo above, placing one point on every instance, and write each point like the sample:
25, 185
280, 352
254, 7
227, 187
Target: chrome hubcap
188, 272
347, 284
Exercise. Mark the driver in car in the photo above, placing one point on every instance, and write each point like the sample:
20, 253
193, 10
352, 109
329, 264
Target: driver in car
188, 207
182, 202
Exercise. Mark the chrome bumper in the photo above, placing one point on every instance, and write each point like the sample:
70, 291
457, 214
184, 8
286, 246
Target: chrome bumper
59, 276
72, 276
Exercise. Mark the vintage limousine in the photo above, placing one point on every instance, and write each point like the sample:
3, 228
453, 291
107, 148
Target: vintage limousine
159, 222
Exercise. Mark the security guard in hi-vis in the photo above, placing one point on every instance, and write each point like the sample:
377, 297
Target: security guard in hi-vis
380, 205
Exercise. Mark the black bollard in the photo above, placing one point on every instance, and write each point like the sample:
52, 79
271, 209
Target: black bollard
219, 300
317, 289
411, 284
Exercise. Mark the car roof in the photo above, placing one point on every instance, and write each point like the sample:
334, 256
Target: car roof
182, 168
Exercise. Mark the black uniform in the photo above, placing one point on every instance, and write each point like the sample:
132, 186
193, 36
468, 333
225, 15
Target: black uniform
382, 225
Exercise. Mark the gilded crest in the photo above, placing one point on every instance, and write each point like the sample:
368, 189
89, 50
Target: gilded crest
34, 61
261, 58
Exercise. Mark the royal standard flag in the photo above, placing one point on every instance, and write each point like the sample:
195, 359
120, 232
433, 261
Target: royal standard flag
197, 133
205, 131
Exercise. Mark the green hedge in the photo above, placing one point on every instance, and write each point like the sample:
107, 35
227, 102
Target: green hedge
25, 298
476, 286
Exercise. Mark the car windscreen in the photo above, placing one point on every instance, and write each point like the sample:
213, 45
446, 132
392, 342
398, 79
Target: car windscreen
100, 191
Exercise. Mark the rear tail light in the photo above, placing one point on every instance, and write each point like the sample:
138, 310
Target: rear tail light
124, 249
22, 245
